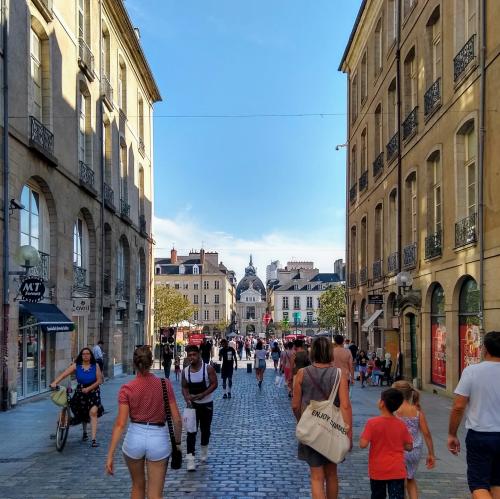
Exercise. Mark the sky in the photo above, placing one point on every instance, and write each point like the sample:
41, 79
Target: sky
245, 158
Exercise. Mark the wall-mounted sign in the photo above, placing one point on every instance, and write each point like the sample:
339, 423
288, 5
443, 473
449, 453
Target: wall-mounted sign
376, 299
81, 306
32, 289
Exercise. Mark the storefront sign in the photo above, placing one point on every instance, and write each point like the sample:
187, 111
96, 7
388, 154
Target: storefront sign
470, 345
196, 339
81, 306
376, 299
438, 354
32, 289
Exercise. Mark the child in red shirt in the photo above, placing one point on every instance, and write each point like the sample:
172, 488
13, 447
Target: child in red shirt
388, 438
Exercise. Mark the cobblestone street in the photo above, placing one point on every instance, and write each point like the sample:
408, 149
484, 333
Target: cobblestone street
253, 451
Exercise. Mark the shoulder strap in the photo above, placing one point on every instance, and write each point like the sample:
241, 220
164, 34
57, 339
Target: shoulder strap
168, 414
336, 385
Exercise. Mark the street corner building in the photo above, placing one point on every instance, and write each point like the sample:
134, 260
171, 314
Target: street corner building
77, 177
423, 231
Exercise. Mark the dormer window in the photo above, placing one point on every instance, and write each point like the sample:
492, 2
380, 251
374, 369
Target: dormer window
196, 270
158, 270
309, 287
296, 287
182, 269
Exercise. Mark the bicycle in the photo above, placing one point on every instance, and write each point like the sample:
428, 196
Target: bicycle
64, 420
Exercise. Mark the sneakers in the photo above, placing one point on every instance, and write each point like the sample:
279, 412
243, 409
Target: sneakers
229, 395
190, 464
225, 396
204, 453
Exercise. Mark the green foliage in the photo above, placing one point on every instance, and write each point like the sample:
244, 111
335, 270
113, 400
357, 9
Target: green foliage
284, 325
332, 310
170, 307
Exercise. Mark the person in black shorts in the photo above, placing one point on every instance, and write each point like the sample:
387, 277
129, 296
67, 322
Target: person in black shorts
228, 356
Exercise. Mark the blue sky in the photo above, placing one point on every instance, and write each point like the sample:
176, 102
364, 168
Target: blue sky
271, 186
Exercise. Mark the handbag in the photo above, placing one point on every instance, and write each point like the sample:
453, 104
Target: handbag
322, 426
189, 419
176, 457
60, 397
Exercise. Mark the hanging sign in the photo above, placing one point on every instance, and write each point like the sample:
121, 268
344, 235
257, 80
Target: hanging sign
32, 289
376, 299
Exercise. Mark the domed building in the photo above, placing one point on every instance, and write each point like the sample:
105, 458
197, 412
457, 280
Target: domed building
250, 302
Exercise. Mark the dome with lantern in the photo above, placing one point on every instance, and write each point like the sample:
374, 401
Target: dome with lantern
250, 280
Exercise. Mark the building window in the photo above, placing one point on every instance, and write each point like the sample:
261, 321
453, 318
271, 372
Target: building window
84, 127
378, 56
434, 205
123, 173
364, 78
408, 6
468, 319
195, 286
411, 209
205, 284
30, 218
106, 54
309, 302
364, 245
438, 337
353, 251
195, 299
206, 315
392, 109
216, 315
296, 302
122, 86
182, 269
354, 98
393, 221
434, 48
185, 285
466, 147
250, 313
205, 299
140, 118
285, 316
410, 82
177, 285
392, 21
217, 285
364, 152
379, 216
185, 297
465, 22
84, 20
196, 315
353, 167
196, 271
285, 302
107, 144
216, 299
36, 76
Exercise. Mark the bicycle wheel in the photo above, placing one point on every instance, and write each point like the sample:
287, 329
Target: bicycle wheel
62, 429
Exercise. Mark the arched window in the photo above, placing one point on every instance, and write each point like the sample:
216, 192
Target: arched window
410, 82
378, 242
468, 315
84, 127
196, 270
107, 258
140, 119
363, 272
378, 48
411, 209
433, 62
122, 270
353, 258
122, 86
379, 133
393, 228
40, 87
433, 241
438, 337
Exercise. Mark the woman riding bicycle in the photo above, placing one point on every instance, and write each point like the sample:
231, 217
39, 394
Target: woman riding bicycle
86, 402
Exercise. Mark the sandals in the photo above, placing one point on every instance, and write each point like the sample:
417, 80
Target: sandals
85, 436
94, 443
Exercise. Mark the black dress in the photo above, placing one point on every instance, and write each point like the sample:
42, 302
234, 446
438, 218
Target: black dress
81, 403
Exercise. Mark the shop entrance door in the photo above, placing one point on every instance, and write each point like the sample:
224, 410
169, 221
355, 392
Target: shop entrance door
413, 345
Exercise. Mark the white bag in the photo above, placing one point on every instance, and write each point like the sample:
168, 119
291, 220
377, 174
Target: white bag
322, 427
278, 381
189, 420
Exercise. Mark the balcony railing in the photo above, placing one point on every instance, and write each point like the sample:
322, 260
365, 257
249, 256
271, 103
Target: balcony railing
87, 175
410, 256
79, 278
466, 55
393, 263
85, 56
433, 246
392, 147
142, 147
124, 208
107, 89
42, 269
363, 275
352, 279
378, 165
410, 124
363, 181
465, 231
353, 192
41, 135
109, 195
432, 98
139, 294
142, 224
377, 270
120, 290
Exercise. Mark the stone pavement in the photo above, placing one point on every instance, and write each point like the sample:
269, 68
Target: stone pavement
253, 451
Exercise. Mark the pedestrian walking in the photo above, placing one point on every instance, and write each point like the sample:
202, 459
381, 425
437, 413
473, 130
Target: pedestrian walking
167, 359
413, 417
388, 438
260, 362
177, 367
342, 358
227, 355
353, 349
316, 382
300, 357
99, 355
478, 396
286, 366
206, 350
86, 403
147, 444
239, 345
275, 355
199, 381
248, 352
362, 362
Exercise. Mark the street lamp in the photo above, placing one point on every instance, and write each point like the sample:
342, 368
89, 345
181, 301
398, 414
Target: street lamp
27, 257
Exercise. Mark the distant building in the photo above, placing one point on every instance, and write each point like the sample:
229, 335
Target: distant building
339, 268
272, 271
205, 282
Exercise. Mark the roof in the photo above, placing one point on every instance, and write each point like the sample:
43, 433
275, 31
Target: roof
353, 33
316, 283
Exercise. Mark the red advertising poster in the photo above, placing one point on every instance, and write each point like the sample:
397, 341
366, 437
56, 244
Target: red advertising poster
470, 345
196, 339
438, 354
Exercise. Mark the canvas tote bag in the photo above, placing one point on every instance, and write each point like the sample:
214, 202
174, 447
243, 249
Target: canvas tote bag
322, 426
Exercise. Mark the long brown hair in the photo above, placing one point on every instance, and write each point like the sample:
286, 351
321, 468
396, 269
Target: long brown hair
321, 351
143, 359
410, 393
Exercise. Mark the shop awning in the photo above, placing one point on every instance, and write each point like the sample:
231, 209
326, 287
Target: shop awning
371, 320
48, 317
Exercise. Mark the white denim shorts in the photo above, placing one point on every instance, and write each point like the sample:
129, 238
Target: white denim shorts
144, 441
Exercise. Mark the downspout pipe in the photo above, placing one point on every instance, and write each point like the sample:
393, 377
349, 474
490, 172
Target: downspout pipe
398, 97
482, 133
347, 231
6, 224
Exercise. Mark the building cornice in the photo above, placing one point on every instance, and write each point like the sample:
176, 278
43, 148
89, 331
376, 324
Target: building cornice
119, 15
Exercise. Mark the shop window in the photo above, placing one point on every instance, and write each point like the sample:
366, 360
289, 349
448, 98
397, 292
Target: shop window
438, 337
469, 334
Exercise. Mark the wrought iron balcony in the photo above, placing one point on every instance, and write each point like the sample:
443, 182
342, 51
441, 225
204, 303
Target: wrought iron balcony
124, 208
363, 275
79, 278
107, 90
378, 165
139, 294
392, 147
363, 181
142, 224
41, 136
107, 284
120, 290
352, 279
42, 269
85, 57
432, 98
109, 196
410, 256
142, 147
465, 231
377, 270
353, 193
466, 55
410, 124
87, 176
433, 246
393, 263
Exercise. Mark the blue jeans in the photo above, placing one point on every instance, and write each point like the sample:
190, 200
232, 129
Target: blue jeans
395, 488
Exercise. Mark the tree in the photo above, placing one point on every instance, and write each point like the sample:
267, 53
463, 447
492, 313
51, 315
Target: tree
284, 326
170, 307
332, 308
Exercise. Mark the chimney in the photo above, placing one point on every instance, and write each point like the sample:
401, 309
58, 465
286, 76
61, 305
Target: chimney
173, 256
202, 256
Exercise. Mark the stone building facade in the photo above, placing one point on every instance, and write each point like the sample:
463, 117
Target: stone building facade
423, 227
205, 282
80, 147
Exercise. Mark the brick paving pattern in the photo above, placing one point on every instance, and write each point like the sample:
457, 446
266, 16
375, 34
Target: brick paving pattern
253, 453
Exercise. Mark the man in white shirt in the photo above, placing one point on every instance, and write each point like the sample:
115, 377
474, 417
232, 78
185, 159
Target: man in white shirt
99, 355
478, 395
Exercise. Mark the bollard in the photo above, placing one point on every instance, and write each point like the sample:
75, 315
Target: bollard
249, 367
